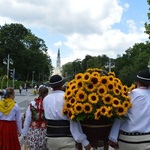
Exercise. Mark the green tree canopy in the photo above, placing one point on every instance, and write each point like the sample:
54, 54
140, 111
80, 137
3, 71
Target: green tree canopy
28, 52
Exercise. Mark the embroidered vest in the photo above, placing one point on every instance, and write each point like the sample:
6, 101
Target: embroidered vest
38, 118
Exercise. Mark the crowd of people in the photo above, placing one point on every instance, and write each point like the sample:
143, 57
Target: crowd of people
45, 128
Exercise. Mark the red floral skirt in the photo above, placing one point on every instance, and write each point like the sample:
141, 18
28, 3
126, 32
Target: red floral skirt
9, 136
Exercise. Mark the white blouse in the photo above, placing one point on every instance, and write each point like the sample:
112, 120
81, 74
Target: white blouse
14, 115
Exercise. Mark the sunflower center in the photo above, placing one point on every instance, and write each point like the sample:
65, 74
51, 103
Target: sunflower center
87, 108
93, 98
107, 99
94, 80
81, 96
101, 90
78, 108
120, 110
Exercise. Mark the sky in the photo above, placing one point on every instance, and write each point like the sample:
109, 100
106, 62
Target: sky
80, 27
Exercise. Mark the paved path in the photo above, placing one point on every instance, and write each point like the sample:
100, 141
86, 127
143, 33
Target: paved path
23, 100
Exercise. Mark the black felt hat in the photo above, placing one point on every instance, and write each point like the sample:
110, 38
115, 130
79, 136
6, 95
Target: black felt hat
144, 77
56, 80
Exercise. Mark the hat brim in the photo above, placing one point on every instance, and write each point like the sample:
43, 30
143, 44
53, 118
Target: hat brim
57, 84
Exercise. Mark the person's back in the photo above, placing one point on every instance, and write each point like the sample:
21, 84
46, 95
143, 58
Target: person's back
133, 133
34, 130
10, 122
61, 132
140, 98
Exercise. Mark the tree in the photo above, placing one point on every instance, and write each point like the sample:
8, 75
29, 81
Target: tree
147, 25
28, 52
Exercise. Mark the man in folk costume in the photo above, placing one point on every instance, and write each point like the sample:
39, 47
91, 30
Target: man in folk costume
133, 133
61, 132
10, 122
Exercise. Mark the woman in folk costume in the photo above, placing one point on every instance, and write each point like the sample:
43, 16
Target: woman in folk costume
34, 130
133, 133
10, 122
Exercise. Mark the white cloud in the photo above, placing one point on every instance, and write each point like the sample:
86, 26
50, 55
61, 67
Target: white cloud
88, 26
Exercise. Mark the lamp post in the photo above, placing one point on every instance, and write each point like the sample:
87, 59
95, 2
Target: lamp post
32, 77
149, 65
110, 65
7, 61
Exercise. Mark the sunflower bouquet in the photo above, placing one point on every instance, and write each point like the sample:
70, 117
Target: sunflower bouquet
96, 93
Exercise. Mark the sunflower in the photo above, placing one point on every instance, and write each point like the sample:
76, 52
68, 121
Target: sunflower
90, 87
95, 74
125, 88
119, 87
121, 110
78, 108
110, 86
68, 93
97, 114
78, 76
79, 84
110, 78
101, 91
72, 100
132, 87
127, 104
116, 91
116, 102
68, 104
81, 96
117, 80
86, 77
94, 80
65, 111
109, 112
73, 86
103, 110
104, 80
87, 107
71, 113
112, 73
93, 98
107, 99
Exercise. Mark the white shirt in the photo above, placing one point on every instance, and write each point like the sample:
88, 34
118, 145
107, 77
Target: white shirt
138, 115
14, 115
53, 105
28, 119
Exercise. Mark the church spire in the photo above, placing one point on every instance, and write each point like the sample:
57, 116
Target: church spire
58, 63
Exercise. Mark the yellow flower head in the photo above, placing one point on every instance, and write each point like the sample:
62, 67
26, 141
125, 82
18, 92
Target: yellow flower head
97, 114
86, 77
87, 107
95, 74
90, 87
103, 110
107, 99
104, 80
101, 91
133, 86
110, 86
81, 96
93, 98
78, 108
121, 110
79, 84
78, 76
116, 102
94, 80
